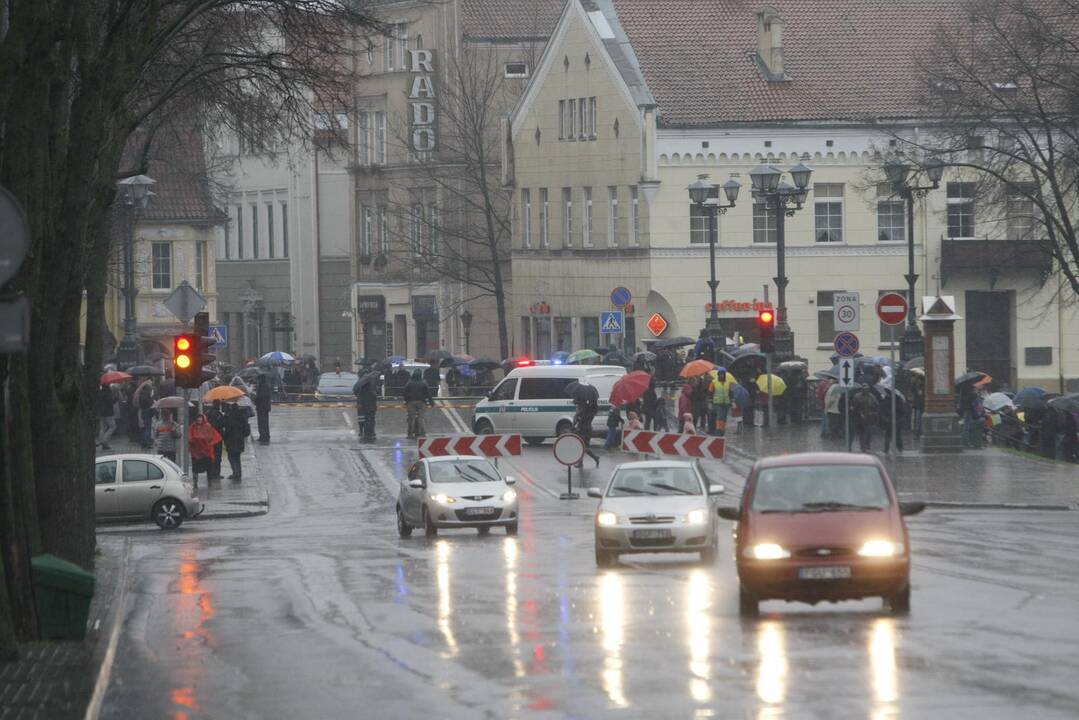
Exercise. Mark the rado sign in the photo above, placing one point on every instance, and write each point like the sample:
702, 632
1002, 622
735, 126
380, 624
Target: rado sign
421, 97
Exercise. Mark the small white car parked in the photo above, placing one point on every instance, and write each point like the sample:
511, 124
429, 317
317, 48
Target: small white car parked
137, 486
456, 491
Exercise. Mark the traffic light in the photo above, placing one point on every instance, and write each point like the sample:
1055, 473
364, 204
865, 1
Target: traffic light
205, 355
186, 370
766, 323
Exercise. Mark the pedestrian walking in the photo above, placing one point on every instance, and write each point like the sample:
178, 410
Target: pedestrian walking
236, 433
263, 403
417, 397
721, 390
700, 402
145, 396
969, 409
217, 418
650, 405
833, 410
614, 422
586, 404
864, 414
165, 434
202, 439
366, 408
433, 378
106, 416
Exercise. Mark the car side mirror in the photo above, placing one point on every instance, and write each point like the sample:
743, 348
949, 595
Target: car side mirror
416, 483
510, 480
906, 509
595, 493
715, 489
729, 513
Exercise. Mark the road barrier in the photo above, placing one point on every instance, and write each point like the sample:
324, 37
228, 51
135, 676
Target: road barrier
657, 443
487, 445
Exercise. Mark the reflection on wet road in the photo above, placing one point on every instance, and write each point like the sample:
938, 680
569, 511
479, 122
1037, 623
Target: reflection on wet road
319, 610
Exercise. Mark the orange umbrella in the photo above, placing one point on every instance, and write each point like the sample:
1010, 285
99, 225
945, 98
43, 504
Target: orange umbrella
223, 392
984, 381
696, 368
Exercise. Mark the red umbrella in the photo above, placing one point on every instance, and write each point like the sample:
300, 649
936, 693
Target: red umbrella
630, 388
111, 378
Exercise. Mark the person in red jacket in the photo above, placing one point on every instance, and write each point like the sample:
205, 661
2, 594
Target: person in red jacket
202, 439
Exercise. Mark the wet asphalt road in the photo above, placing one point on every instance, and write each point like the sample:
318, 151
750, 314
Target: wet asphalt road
319, 610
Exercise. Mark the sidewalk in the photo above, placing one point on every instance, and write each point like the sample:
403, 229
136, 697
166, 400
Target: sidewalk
224, 499
56, 680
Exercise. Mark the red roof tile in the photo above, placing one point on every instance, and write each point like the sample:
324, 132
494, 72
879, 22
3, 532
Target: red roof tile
845, 59
509, 19
177, 162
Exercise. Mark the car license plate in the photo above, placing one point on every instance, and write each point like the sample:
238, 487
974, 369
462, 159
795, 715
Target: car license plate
479, 511
650, 534
827, 572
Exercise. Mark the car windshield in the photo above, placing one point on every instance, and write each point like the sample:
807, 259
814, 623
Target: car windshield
463, 471
820, 488
654, 481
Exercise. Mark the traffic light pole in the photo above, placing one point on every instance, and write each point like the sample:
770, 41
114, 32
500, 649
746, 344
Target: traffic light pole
185, 450
768, 371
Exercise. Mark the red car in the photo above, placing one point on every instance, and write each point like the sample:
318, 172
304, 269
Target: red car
821, 526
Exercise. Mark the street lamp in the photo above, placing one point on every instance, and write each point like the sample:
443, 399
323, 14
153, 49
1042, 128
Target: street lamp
901, 176
466, 325
782, 200
700, 193
135, 194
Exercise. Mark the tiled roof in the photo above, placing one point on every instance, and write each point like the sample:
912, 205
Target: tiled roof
177, 162
509, 19
845, 59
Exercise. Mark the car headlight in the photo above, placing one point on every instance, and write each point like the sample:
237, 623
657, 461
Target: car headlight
509, 496
881, 548
697, 517
606, 519
443, 499
766, 551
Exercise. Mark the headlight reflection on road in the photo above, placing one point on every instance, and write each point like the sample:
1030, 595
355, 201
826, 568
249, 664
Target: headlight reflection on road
509, 552
699, 634
613, 622
193, 610
882, 663
445, 606
772, 670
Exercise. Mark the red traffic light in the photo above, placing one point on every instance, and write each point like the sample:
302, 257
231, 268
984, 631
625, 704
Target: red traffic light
766, 318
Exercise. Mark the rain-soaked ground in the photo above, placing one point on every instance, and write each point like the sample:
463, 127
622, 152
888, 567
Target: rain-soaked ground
319, 610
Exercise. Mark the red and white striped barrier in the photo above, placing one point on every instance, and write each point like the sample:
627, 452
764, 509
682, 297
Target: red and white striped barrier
657, 443
485, 445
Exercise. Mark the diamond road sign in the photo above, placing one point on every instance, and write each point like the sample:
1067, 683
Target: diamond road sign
185, 302
610, 323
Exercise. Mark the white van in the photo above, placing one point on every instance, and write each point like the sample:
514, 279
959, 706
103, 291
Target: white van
533, 401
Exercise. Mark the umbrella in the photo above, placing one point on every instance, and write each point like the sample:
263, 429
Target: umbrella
831, 373
696, 368
144, 371
559, 358
969, 377
172, 402
251, 373
740, 394
458, 360
984, 381
792, 365
1030, 397
742, 364
630, 387
111, 378
435, 357
222, 392
395, 360
997, 401
614, 357
1067, 403
679, 341
482, 364
275, 357
582, 357
582, 392
749, 348
645, 356
915, 362
778, 386
836, 357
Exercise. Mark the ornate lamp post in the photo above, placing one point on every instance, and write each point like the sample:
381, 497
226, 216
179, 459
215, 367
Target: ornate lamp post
135, 194
700, 193
782, 200
900, 176
466, 325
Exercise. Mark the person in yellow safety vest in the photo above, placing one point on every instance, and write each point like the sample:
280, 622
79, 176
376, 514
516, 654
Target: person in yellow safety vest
720, 388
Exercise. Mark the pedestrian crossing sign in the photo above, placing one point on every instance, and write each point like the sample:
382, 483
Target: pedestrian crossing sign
220, 333
611, 322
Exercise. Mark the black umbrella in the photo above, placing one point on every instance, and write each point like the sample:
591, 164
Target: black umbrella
645, 356
1067, 403
724, 358
915, 362
582, 393
831, 373
967, 377
252, 373
145, 371
679, 341
745, 362
436, 357
482, 364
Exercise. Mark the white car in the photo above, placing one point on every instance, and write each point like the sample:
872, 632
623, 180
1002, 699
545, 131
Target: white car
456, 491
138, 486
655, 506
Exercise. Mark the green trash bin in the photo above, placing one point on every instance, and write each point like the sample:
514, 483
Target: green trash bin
62, 594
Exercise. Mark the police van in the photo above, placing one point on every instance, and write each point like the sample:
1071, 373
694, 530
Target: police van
533, 401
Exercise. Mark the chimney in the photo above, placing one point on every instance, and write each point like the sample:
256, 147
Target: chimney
770, 45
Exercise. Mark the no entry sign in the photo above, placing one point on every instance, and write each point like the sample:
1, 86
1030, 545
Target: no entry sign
892, 309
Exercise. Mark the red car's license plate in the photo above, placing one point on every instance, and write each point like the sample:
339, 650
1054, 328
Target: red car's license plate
826, 572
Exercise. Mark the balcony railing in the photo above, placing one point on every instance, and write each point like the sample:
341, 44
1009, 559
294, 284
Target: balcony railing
993, 257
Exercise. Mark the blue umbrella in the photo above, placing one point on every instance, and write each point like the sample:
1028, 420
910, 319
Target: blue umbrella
741, 395
275, 358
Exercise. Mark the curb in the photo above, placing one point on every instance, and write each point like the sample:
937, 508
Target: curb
105, 654
957, 505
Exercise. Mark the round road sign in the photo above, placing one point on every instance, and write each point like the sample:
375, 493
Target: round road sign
892, 309
847, 313
569, 449
620, 296
14, 236
846, 344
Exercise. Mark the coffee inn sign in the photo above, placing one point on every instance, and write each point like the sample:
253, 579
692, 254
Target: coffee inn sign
421, 98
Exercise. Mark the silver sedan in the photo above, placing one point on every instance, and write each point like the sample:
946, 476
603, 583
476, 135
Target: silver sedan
456, 491
655, 506
138, 486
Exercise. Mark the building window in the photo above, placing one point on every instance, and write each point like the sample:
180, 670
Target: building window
635, 217
890, 334
561, 119
612, 219
891, 216
567, 217
764, 224
828, 204
526, 217
284, 230
698, 224
416, 228
825, 316
432, 229
571, 120
586, 231
366, 230
582, 118
161, 265
590, 331
592, 118
960, 210
380, 138
563, 334
526, 336
544, 217
254, 231
1022, 214
516, 70
240, 232
269, 229
200, 265
394, 47
228, 238
383, 231
363, 138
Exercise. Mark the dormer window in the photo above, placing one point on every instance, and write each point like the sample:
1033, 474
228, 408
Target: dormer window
770, 45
